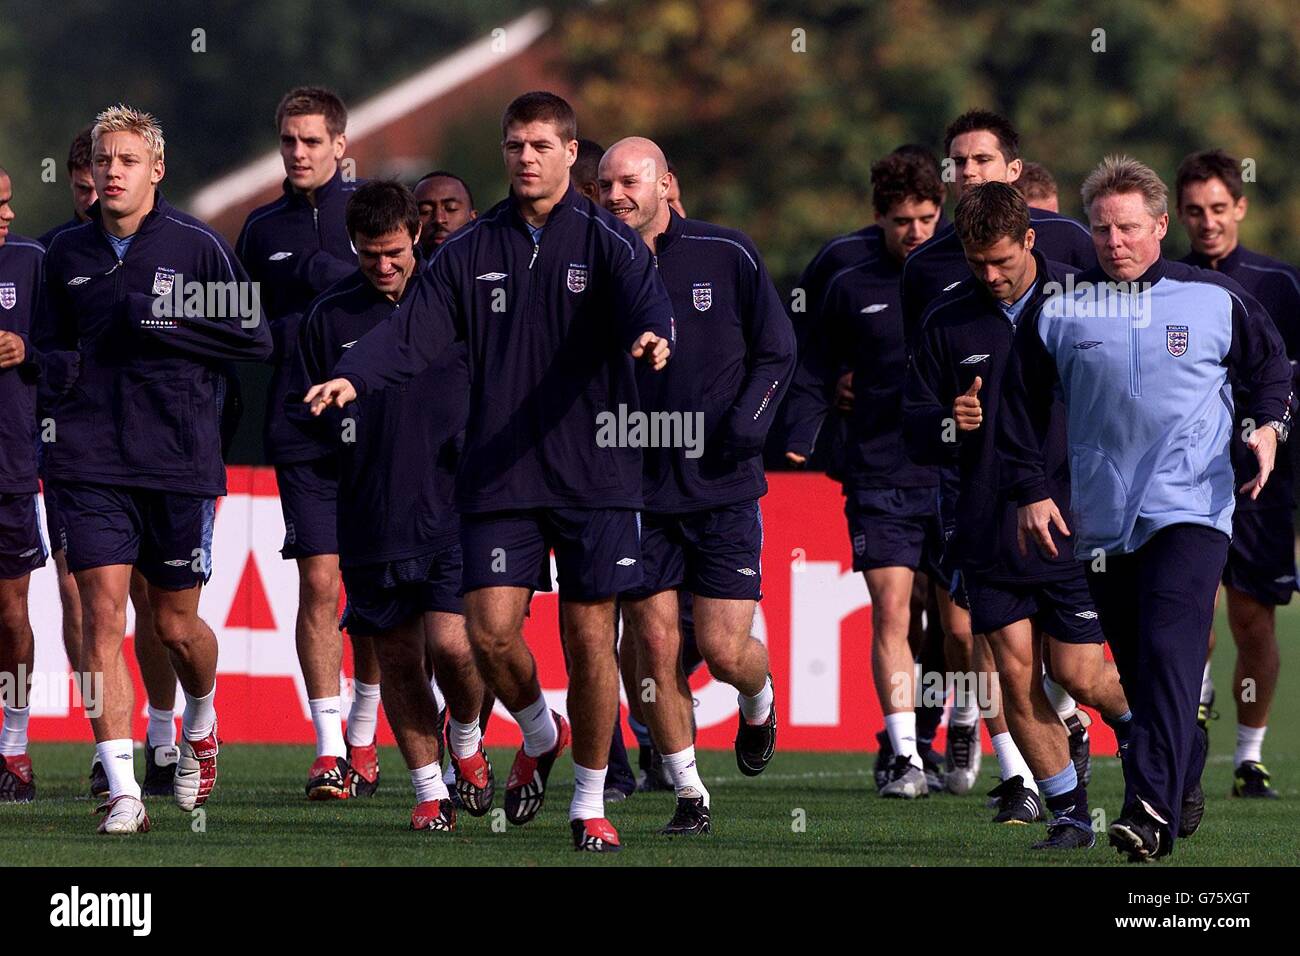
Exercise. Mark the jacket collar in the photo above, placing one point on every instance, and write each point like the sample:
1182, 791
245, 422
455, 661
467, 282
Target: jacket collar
1226, 264
676, 226
161, 208
571, 197
323, 192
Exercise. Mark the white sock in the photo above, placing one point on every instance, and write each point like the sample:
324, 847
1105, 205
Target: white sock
427, 781
162, 727
200, 714
439, 702
463, 738
1010, 762
757, 708
965, 708
685, 774
1207, 685
13, 739
538, 727
363, 718
588, 793
1250, 744
1059, 698
118, 760
902, 734
327, 718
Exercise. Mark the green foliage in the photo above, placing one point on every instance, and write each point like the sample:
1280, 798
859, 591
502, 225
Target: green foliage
779, 143
60, 64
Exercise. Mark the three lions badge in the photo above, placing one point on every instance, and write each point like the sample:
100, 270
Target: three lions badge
1176, 340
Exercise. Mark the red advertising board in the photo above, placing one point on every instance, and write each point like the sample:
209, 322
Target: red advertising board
815, 618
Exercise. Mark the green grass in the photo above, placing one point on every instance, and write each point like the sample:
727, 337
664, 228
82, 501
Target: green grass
258, 816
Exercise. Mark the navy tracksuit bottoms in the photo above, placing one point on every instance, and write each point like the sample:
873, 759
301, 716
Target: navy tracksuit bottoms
1156, 606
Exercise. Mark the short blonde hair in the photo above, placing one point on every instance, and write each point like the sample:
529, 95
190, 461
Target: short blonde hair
1116, 175
125, 119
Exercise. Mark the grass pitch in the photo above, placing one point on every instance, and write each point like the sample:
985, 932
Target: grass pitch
806, 810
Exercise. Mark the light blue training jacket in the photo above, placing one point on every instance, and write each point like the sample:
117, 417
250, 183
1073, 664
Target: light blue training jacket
1145, 371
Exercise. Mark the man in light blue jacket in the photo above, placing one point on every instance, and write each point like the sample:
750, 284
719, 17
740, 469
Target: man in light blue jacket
1146, 352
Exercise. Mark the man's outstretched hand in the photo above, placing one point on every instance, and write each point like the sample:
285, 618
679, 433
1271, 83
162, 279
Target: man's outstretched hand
337, 392
651, 349
1035, 521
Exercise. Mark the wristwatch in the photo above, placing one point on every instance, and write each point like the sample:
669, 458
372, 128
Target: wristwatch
1282, 430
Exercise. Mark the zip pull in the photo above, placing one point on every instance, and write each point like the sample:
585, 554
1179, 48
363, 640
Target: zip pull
114, 269
536, 246
655, 257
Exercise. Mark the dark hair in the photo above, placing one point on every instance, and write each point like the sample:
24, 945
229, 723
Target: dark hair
973, 120
443, 174
920, 153
584, 167
1206, 165
313, 101
1035, 182
540, 106
79, 151
380, 206
989, 212
899, 177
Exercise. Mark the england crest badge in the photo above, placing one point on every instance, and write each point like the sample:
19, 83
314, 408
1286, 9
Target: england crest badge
577, 278
163, 280
8, 295
1176, 339
702, 296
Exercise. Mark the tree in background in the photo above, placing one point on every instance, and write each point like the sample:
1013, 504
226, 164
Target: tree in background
774, 111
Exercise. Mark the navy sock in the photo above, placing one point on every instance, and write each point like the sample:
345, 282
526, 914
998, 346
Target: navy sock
1066, 796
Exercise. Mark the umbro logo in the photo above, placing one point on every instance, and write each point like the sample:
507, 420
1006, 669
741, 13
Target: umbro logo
29, 552
1090, 344
348, 345
176, 562
1284, 579
747, 572
625, 562
79, 280
876, 307
1086, 615
974, 359
952, 285
492, 276
276, 257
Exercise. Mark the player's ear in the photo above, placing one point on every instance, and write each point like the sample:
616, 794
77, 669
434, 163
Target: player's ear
1239, 212
1014, 169
340, 145
1030, 236
1162, 225
158, 172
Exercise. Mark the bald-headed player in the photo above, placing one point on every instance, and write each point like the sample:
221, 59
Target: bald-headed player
445, 204
702, 530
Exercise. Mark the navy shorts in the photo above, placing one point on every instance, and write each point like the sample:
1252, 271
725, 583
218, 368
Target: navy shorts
1062, 609
22, 547
896, 528
597, 550
1261, 557
309, 495
382, 596
166, 536
715, 553
53, 520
